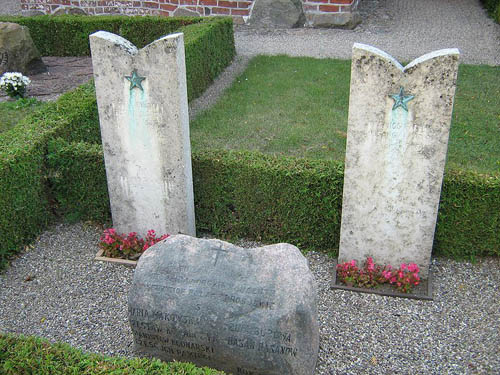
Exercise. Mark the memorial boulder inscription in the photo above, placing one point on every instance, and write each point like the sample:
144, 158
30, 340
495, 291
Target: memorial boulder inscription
243, 311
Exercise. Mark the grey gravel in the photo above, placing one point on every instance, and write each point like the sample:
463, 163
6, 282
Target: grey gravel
83, 302
57, 291
405, 29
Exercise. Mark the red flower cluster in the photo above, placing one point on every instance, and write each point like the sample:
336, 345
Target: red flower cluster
129, 246
372, 275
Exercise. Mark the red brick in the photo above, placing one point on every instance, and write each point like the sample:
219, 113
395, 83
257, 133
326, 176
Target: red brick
244, 4
228, 4
168, 7
317, 1
75, 3
220, 10
164, 13
343, 2
187, 2
151, 5
61, 2
208, 2
240, 12
329, 8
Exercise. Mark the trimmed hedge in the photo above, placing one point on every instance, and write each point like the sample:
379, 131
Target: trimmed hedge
276, 199
209, 42
24, 192
21, 355
493, 8
85, 197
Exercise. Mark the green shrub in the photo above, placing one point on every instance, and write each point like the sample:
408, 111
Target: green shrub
299, 201
68, 35
268, 198
23, 196
31, 355
209, 42
85, 197
209, 49
493, 8
469, 215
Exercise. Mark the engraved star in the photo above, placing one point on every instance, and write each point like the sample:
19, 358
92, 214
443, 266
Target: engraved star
135, 80
400, 100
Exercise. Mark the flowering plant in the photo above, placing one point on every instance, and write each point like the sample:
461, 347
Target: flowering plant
129, 246
14, 84
372, 275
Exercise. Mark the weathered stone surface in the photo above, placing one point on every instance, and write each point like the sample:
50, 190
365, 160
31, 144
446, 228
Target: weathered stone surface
69, 10
17, 50
244, 311
184, 12
399, 122
277, 14
143, 113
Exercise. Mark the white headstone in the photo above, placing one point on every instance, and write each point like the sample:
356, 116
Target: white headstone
143, 113
399, 122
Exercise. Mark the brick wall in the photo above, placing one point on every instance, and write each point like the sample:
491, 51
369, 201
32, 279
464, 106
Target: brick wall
317, 12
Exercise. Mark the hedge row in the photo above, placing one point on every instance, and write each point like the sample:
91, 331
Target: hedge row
276, 199
32, 355
209, 42
493, 8
24, 189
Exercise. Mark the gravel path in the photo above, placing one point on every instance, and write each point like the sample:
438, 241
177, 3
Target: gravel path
72, 298
405, 29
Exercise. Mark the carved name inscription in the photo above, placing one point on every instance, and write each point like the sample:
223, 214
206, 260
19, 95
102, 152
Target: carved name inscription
230, 308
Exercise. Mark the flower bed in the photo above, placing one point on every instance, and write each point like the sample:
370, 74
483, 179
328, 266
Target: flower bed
372, 278
123, 248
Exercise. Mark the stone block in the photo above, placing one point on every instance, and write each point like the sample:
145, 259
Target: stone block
243, 311
18, 53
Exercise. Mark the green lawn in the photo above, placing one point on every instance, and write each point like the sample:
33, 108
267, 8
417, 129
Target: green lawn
13, 112
298, 107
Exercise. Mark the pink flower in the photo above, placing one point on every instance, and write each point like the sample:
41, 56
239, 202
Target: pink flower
412, 267
403, 266
352, 263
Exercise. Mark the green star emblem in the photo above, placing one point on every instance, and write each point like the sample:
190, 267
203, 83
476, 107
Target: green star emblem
400, 100
135, 80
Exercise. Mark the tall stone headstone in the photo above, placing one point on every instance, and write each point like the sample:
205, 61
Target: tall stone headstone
143, 113
244, 311
397, 138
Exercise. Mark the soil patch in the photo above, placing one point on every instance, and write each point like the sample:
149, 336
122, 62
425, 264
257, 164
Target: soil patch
63, 74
